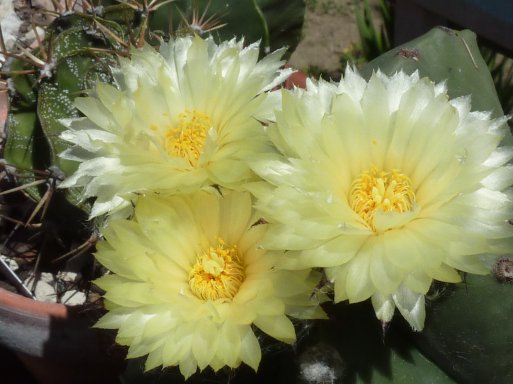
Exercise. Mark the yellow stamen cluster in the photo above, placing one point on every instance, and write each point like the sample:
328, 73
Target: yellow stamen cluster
218, 273
381, 190
187, 139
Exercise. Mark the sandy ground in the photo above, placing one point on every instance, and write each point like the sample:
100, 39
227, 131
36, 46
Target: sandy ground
326, 33
329, 28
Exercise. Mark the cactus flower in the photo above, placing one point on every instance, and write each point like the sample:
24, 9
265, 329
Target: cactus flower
189, 282
177, 120
389, 185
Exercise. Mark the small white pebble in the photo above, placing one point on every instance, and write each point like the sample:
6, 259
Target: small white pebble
10, 25
13, 265
47, 277
67, 276
44, 291
8, 168
31, 35
73, 297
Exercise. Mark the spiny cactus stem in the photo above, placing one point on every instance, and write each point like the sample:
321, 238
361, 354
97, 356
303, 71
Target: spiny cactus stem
154, 4
140, 39
200, 24
104, 50
107, 31
146, 8
469, 52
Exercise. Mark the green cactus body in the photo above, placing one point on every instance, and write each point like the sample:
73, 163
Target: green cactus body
83, 47
276, 23
469, 333
24, 85
81, 50
20, 147
371, 354
445, 55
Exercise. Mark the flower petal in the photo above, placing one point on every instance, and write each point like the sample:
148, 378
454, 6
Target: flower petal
279, 327
383, 306
412, 306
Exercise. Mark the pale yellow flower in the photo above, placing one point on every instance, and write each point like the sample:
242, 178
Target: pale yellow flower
387, 184
189, 281
178, 120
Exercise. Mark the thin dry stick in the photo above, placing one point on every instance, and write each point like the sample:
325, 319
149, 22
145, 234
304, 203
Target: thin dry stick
35, 271
42, 203
20, 223
39, 42
24, 72
80, 250
23, 187
107, 31
470, 53
10, 275
3, 49
56, 5
13, 278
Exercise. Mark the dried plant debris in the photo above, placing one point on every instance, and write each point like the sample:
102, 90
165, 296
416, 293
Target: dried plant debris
503, 270
41, 234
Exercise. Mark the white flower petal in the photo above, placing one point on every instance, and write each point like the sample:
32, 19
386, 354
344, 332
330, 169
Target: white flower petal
418, 186
132, 126
188, 282
250, 352
383, 306
412, 306
279, 327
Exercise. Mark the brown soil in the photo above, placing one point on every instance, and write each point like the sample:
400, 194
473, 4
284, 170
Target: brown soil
329, 29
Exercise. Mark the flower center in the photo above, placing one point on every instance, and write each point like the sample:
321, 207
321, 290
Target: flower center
188, 137
381, 190
217, 273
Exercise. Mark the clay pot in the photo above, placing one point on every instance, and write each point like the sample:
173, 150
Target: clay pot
297, 79
56, 343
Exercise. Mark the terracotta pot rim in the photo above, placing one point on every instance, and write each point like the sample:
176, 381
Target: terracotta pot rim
23, 304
